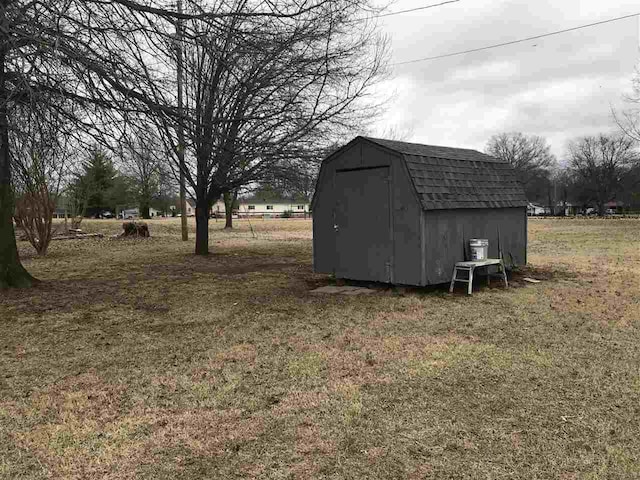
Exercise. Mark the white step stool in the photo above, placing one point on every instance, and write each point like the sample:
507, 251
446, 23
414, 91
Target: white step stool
470, 266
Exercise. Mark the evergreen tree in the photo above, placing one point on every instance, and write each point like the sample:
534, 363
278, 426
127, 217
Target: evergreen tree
100, 187
99, 175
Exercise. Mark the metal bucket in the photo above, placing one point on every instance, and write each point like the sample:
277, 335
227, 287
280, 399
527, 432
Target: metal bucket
479, 248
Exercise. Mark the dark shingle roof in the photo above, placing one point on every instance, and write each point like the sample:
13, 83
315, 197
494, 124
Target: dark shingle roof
447, 178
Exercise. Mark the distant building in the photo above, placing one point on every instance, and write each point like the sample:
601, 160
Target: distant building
614, 206
260, 207
534, 210
191, 207
135, 213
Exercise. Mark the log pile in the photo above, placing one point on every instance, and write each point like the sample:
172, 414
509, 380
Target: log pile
77, 236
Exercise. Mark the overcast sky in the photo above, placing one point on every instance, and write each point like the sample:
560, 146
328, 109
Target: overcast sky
558, 87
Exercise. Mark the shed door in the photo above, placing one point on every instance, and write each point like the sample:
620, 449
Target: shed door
363, 224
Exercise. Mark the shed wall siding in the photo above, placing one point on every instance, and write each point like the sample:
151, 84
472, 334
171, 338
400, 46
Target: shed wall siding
448, 231
407, 255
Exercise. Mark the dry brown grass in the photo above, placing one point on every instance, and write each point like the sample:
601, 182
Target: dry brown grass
136, 359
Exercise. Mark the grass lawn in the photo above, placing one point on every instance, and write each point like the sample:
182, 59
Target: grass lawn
136, 359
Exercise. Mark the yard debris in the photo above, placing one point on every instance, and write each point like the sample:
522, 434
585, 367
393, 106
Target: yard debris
77, 236
531, 280
344, 290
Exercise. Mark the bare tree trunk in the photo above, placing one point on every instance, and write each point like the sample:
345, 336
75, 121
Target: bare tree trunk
601, 208
12, 273
202, 226
144, 210
229, 202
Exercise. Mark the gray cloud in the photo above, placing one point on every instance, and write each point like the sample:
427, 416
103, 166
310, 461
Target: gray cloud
558, 87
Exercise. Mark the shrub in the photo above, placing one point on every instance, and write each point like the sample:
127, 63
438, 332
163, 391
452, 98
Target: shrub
34, 215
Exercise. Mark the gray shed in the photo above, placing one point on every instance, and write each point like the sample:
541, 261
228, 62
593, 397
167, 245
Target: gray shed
403, 213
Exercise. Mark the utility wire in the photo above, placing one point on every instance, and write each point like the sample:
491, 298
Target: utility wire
558, 32
414, 9
400, 12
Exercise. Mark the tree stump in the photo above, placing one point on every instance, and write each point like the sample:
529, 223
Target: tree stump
135, 229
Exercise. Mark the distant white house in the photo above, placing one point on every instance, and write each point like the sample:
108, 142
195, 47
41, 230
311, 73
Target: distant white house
191, 207
254, 207
135, 213
533, 210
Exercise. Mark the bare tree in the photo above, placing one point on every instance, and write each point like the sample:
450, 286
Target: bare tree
40, 156
76, 199
259, 90
168, 189
529, 155
562, 183
629, 119
296, 178
401, 133
34, 78
601, 163
261, 79
142, 156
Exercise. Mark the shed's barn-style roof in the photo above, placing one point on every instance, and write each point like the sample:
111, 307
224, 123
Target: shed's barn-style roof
448, 178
